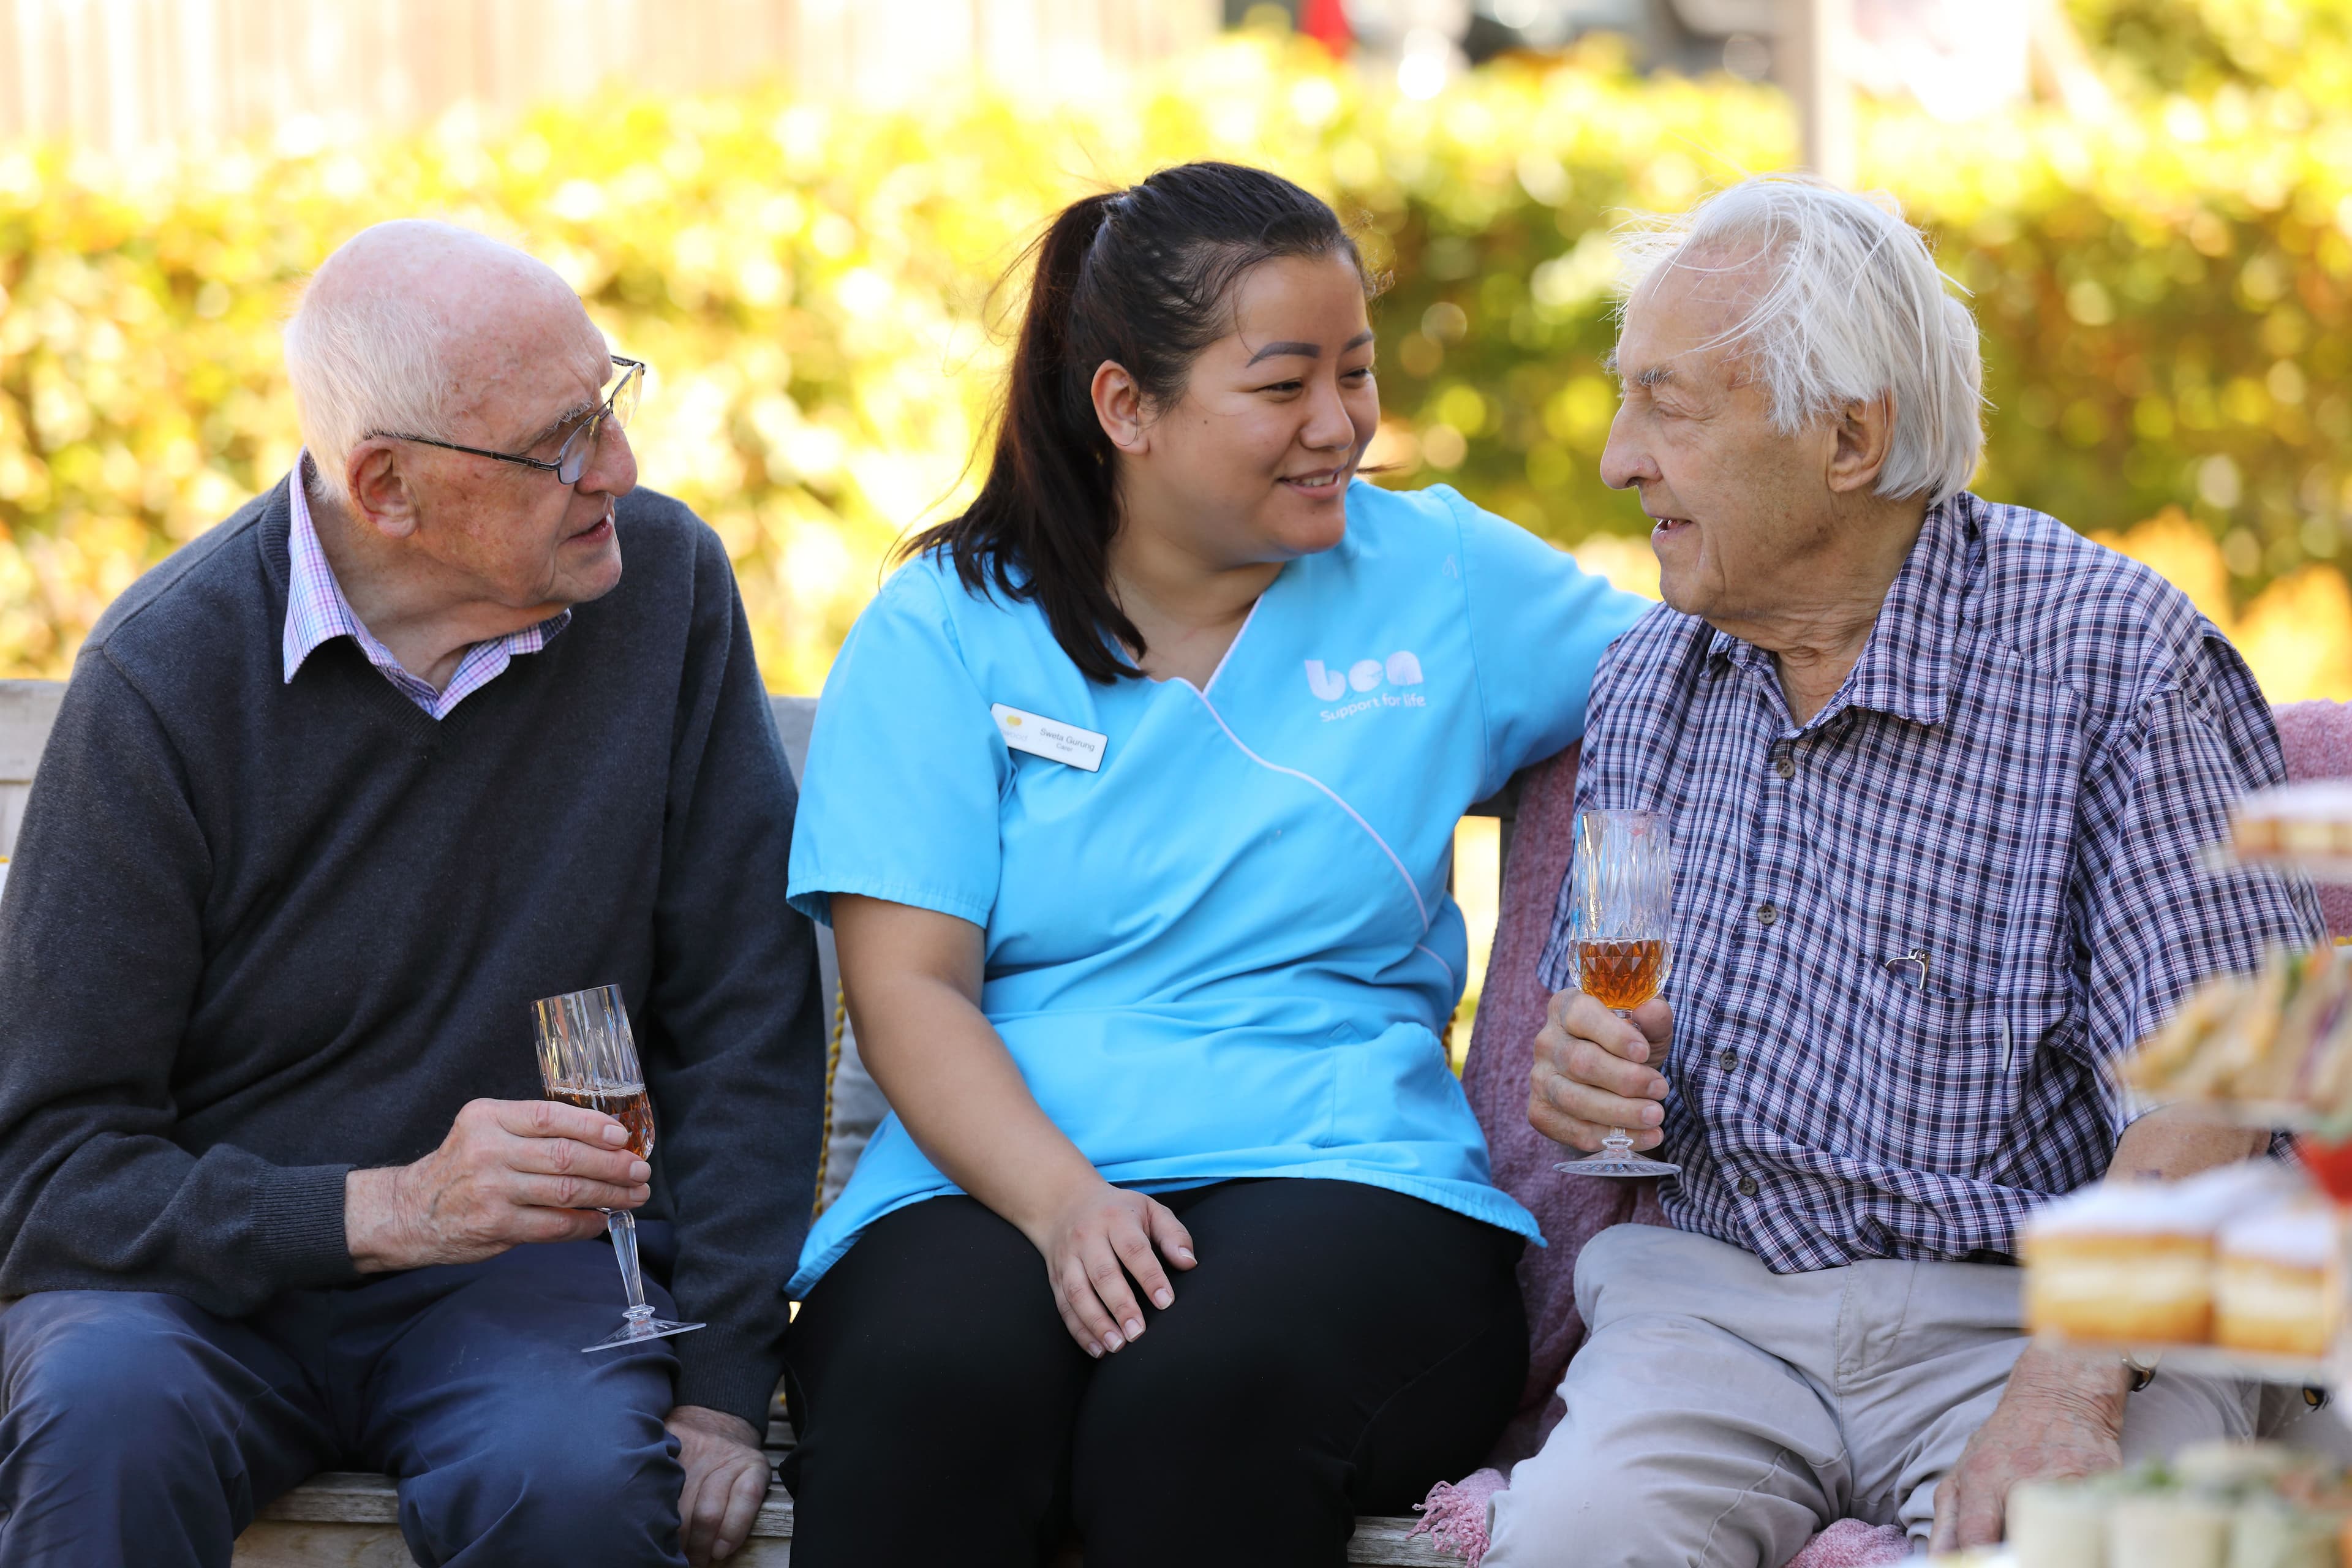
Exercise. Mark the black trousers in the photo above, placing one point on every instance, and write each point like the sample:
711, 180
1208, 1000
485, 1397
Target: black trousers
1338, 1349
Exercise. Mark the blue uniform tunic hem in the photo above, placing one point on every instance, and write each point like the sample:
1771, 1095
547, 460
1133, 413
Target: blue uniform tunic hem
1489, 1206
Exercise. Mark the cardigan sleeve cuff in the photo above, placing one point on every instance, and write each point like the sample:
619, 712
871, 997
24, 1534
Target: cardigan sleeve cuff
298, 1225
730, 1372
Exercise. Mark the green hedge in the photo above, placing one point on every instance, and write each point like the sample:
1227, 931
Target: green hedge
2164, 300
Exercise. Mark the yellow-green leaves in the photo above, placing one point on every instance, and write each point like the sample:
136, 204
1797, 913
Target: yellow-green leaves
2164, 297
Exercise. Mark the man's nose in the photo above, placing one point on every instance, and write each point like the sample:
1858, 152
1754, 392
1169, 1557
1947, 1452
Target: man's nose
613, 471
1626, 460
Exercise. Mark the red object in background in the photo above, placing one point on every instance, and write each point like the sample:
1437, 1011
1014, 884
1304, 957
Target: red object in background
1325, 22
2330, 1166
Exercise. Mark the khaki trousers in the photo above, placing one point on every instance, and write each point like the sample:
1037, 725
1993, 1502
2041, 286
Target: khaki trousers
1720, 1414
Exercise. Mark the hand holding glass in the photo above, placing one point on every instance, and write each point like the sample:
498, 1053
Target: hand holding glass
588, 1058
1620, 892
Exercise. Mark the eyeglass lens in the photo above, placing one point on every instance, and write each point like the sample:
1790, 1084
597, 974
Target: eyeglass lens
573, 461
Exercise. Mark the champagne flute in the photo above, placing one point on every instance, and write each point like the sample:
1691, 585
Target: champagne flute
588, 1058
1621, 892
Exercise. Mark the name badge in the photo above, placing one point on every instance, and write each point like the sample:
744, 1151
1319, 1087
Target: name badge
1049, 738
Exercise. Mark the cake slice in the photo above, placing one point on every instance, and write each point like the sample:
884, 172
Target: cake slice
2310, 818
2278, 1282
2133, 1261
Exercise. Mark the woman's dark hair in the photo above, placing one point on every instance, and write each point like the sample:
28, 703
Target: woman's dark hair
1144, 278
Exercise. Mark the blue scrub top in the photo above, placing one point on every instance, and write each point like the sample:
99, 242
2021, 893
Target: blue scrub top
1228, 952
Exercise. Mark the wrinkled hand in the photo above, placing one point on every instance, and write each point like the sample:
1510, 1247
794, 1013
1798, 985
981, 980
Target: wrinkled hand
1591, 1075
726, 1481
1092, 1242
511, 1171
2061, 1415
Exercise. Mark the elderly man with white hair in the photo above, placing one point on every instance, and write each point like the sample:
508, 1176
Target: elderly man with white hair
1939, 773
336, 793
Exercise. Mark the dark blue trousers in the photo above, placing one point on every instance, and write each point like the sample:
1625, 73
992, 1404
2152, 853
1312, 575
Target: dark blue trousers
139, 1431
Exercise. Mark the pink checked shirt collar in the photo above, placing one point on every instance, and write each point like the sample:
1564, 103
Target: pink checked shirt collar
317, 611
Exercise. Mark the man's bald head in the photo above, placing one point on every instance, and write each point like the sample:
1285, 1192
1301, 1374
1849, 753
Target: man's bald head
426, 329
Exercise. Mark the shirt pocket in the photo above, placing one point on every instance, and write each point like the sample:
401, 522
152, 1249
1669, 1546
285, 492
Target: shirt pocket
1935, 1074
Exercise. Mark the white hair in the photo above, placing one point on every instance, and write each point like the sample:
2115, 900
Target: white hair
363, 362
1851, 308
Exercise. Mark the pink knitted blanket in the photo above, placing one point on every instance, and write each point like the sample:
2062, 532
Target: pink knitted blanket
1455, 1519
2318, 741
1502, 1043
2317, 738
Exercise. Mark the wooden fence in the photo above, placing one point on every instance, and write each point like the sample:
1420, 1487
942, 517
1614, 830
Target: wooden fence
123, 75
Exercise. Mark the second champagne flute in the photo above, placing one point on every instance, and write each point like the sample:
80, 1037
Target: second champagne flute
1621, 889
588, 1058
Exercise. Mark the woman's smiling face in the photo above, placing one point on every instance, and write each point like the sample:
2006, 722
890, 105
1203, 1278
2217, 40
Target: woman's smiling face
1257, 455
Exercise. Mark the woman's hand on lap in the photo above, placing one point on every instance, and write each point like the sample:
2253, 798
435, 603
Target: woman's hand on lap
1093, 1243
913, 978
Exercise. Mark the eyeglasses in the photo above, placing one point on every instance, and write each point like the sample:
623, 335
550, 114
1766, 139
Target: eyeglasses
570, 459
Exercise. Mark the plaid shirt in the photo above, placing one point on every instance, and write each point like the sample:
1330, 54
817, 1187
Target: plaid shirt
2016, 782
317, 611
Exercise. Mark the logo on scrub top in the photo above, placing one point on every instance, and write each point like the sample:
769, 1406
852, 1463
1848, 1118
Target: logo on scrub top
1365, 676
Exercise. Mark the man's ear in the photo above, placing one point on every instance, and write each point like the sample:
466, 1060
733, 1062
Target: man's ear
1865, 435
379, 492
1119, 405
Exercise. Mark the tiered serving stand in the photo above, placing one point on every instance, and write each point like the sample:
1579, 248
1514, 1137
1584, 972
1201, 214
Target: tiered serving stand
2328, 1167
2331, 1176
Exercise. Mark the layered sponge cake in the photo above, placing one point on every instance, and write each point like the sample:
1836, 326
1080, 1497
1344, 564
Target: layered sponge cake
2310, 818
2134, 1261
2278, 1282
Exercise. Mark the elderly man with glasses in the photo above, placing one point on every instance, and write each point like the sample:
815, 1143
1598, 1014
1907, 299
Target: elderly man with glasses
335, 793
1942, 772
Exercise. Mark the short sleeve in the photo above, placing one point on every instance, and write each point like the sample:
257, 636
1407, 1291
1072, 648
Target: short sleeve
1538, 625
905, 766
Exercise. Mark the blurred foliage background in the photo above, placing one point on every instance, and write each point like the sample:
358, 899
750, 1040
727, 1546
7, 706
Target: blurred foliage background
2165, 290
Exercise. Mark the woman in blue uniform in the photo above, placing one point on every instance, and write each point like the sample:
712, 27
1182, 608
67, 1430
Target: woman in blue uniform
1130, 799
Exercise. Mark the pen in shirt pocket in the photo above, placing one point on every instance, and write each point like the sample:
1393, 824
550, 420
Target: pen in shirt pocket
1914, 960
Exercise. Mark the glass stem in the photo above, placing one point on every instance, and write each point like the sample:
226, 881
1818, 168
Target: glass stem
1618, 1143
622, 1225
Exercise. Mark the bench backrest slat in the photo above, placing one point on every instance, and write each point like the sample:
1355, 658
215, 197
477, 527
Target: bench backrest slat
27, 709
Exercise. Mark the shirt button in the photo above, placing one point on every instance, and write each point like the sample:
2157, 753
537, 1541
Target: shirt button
1746, 1186
1727, 1059
1786, 767
1767, 914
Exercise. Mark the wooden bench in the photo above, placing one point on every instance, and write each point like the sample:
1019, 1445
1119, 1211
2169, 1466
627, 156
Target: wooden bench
343, 1519
340, 1521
